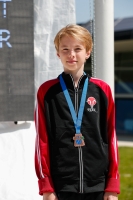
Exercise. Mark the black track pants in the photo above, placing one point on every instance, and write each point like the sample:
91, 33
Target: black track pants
78, 196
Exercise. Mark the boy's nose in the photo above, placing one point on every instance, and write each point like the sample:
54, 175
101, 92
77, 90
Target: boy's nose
71, 53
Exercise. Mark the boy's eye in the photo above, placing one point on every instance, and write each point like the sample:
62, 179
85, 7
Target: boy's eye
65, 49
78, 49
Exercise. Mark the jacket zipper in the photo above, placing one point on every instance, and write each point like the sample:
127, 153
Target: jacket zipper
79, 148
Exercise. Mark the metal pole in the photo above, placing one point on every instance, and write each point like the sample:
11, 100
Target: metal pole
104, 33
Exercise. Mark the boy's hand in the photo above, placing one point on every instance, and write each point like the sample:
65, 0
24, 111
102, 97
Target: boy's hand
110, 196
49, 196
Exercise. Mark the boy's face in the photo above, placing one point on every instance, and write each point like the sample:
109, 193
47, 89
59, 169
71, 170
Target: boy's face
72, 53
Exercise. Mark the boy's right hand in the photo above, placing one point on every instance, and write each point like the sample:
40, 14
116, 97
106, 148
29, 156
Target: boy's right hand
49, 196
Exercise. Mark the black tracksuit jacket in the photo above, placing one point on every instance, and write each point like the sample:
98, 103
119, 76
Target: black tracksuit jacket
59, 165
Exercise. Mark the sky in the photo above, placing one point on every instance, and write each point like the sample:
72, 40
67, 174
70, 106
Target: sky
122, 9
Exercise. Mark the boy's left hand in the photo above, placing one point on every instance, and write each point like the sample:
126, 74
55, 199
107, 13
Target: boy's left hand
110, 196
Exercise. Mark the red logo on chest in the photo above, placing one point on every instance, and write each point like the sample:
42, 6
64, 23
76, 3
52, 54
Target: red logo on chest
91, 101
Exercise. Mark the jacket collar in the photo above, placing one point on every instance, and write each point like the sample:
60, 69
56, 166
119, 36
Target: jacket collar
70, 82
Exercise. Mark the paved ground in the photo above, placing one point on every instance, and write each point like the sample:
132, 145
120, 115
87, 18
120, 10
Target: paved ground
125, 141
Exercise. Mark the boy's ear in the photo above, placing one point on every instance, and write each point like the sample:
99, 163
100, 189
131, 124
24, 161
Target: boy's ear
88, 54
58, 55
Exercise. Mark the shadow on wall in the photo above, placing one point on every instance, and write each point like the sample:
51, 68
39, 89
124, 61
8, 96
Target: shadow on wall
8, 127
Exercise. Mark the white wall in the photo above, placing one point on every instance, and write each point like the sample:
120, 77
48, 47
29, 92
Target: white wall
50, 17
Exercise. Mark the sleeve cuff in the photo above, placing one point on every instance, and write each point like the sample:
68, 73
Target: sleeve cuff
45, 185
113, 185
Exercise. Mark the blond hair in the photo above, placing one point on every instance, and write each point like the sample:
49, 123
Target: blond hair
78, 32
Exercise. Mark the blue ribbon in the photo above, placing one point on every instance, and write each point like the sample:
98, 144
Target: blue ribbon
77, 120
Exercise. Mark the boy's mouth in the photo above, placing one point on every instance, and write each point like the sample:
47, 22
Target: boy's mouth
71, 61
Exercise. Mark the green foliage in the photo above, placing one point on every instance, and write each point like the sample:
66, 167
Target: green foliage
126, 173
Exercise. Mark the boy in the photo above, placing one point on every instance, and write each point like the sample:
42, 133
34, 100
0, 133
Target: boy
76, 153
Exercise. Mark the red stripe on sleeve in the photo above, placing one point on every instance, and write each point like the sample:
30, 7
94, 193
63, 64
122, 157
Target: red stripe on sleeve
42, 161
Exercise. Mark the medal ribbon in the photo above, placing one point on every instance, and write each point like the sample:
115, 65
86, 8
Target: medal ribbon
77, 120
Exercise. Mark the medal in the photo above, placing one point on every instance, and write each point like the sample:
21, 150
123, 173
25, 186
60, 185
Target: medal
78, 138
